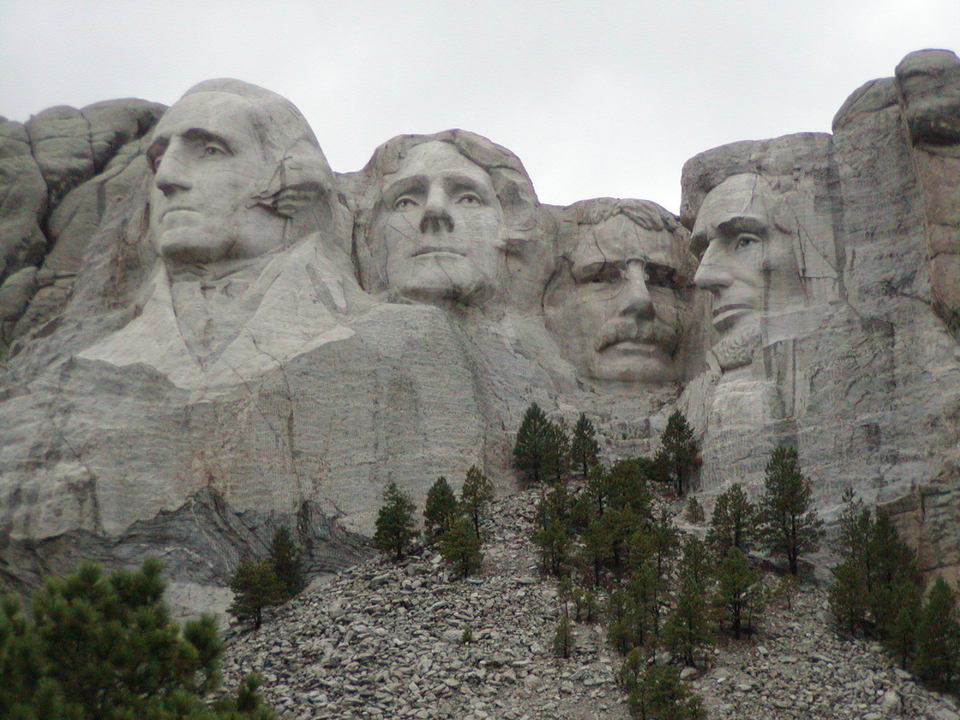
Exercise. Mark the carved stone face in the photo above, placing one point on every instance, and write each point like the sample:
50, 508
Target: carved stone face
620, 319
208, 164
438, 232
749, 265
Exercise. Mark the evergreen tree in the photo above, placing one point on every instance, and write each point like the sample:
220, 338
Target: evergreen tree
687, 627
892, 567
395, 525
733, 522
850, 593
938, 640
285, 558
739, 596
460, 546
476, 496
553, 543
662, 539
693, 512
584, 449
645, 593
530, 449
553, 534
556, 455
658, 693
901, 637
101, 647
678, 453
788, 525
255, 587
439, 511
563, 638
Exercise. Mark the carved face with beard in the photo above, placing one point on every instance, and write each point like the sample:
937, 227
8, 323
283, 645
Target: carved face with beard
748, 264
616, 311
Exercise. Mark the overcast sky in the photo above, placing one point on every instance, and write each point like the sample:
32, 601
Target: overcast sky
597, 98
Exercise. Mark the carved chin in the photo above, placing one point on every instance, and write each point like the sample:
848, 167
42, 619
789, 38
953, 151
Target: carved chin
633, 368
452, 280
737, 349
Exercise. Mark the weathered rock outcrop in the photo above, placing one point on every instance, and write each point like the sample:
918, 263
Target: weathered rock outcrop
211, 333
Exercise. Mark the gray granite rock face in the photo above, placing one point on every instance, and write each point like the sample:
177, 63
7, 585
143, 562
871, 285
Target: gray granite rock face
217, 334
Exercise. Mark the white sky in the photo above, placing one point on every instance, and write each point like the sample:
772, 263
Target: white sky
596, 98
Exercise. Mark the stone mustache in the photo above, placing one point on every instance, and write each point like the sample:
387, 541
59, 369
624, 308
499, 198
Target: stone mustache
226, 335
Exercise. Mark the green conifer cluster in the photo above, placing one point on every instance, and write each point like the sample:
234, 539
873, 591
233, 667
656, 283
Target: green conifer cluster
878, 592
272, 581
103, 647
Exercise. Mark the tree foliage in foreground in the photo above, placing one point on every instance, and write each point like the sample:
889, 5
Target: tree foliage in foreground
476, 496
656, 691
103, 647
678, 455
396, 529
788, 524
272, 581
440, 510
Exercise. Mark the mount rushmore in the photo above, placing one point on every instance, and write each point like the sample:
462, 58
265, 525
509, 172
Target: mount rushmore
207, 331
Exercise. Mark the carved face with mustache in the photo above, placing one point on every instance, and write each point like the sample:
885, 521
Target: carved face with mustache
617, 313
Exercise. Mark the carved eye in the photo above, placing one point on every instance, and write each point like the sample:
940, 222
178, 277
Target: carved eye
213, 150
745, 240
404, 203
607, 273
470, 200
659, 275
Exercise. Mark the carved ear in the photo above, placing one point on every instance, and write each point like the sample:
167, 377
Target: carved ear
291, 200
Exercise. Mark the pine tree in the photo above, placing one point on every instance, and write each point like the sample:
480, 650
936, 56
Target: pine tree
645, 593
584, 449
556, 455
476, 496
678, 453
103, 647
788, 525
739, 596
687, 627
938, 640
395, 525
460, 546
693, 512
733, 522
255, 587
659, 693
285, 558
530, 449
439, 511
563, 638
892, 565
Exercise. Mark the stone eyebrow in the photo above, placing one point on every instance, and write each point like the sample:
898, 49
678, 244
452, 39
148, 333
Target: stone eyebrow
404, 185
743, 224
204, 136
457, 181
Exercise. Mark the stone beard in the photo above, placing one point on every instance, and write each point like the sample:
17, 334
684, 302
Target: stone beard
748, 264
617, 312
437, 235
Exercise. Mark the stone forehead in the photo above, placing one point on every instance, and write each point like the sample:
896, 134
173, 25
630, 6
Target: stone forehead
436, 156
208, 110
744, 194
619, 238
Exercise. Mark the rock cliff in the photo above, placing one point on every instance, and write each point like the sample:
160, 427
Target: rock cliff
208, 332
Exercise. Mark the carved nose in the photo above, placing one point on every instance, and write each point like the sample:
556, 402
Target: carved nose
171, 175
711, 275
436, 216
635, 300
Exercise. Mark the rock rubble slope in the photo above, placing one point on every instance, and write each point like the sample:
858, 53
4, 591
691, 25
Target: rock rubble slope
385, 641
